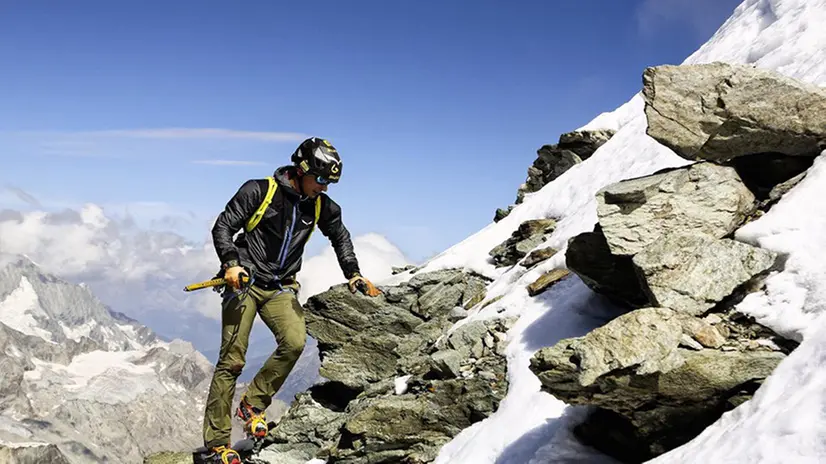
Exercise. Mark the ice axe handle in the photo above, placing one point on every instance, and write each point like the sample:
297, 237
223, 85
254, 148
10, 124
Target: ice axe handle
216, 282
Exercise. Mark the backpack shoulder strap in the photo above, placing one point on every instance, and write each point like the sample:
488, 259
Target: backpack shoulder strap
256, 218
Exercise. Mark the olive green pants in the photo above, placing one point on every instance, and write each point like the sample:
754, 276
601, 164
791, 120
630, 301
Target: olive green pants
282, 313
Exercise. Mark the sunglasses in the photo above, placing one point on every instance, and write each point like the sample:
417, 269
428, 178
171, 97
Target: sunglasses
322, 181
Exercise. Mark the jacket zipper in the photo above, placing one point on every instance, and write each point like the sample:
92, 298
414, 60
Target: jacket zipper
286, 245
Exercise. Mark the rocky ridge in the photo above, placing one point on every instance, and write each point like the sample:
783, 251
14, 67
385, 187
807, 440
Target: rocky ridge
681, 355
554, 160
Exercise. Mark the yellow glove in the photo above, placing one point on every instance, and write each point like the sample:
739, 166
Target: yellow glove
364, 285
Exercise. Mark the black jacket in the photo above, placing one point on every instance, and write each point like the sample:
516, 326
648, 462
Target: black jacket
270, 249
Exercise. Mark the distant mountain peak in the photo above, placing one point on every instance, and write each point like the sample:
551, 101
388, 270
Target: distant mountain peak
74, 369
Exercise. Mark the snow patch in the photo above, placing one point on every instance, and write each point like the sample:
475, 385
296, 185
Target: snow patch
30, 444
19, 308
104, 376
12, 351
12, 426
401, 384
77, 332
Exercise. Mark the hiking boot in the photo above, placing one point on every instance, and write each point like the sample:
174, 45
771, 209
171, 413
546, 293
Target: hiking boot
220, 455
255, 420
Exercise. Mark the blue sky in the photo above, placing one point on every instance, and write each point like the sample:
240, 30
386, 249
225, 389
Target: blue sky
163, 109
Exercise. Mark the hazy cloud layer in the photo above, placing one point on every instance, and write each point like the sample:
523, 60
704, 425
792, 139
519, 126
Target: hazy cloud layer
136, 270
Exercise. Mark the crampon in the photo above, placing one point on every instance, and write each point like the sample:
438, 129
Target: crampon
242, 452
255, 420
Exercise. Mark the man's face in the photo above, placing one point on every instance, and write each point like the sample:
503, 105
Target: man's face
311, 187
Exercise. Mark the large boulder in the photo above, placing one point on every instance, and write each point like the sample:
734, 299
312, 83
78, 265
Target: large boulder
692, 272
399, 382
720, 111
652, 387
702, 197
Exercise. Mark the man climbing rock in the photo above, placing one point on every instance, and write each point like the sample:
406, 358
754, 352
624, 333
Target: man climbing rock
278, 215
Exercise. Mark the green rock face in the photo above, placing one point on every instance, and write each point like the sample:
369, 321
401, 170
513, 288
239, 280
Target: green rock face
399, 386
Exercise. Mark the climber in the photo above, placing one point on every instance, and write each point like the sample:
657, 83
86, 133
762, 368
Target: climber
278, 215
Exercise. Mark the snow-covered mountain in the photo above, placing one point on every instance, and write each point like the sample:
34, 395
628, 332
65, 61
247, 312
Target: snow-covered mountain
92, 381
785, 421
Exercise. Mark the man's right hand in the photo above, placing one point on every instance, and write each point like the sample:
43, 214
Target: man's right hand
233, 276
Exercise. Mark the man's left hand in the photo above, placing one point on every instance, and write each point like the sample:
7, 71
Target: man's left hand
358, 282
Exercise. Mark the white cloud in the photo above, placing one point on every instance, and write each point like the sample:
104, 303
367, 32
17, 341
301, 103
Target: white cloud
131, 269
84, 243
376, 256
229, 162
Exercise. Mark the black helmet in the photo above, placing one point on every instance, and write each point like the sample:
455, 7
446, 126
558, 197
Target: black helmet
318, 157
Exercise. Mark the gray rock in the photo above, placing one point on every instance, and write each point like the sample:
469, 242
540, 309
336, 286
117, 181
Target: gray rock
502, 213
440, 300
448, 362
713, 319
469, 339
551, 163
369, 358
554, 160
490, 376
692, 272
398, 270
308, 425
783, 188
546, 280
645, 340
475, 290
641, 415
709, 111
590, 258
688, 342
702, 197
537, 256
585, 143
528, 236
33, 454
457, 314
436, 277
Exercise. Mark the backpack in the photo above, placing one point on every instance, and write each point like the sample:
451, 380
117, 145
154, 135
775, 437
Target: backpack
256, 218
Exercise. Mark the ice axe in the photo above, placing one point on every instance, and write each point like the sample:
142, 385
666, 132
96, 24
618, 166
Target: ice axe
245, 279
